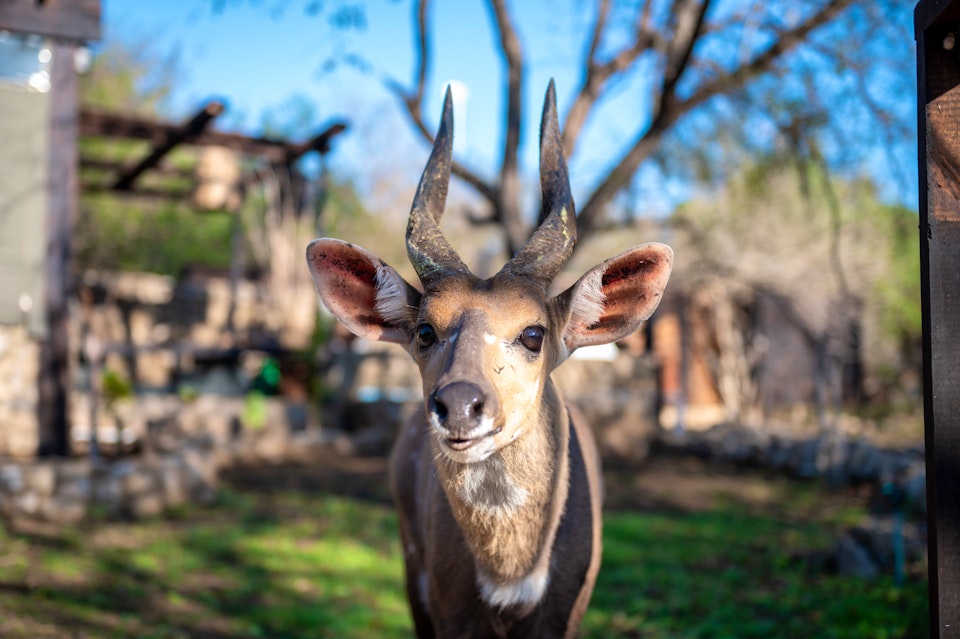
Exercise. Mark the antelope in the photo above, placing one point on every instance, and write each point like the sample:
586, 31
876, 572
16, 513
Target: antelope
496, 479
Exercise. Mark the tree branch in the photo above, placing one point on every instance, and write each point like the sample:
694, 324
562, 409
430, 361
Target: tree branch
413, 105
596, 74
508, 209
671, 111
689, 27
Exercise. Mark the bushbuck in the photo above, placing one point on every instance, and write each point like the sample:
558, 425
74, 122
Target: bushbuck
496, 479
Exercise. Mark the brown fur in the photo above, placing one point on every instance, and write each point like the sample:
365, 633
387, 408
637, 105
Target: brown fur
501, 539
496, 480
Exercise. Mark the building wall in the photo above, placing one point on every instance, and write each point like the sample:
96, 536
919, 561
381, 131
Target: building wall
23, 117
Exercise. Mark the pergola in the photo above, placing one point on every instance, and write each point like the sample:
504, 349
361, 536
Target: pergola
164, 137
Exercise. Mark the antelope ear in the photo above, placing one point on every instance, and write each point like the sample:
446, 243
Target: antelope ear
371, 299
614, 298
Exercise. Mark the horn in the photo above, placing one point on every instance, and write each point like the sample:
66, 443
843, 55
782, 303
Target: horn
429, 252
552, 243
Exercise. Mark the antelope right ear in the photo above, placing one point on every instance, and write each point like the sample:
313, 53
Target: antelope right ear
370, 298
614, 298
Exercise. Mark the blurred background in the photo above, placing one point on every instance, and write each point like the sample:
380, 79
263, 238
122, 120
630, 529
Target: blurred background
191, 446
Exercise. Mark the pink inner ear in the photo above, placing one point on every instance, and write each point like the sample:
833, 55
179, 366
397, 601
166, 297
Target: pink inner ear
346, 279
631, 290
631, 286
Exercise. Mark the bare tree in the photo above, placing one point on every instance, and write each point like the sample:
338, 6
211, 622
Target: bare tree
694, 53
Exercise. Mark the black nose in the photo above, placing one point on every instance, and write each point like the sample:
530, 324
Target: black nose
458, 405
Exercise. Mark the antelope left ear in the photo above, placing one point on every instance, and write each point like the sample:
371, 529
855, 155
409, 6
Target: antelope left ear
366, 295
614, 298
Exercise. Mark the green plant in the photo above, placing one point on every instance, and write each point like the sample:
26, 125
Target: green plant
114, 387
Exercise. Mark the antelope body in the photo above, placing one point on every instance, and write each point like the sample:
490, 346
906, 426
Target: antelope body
496, 480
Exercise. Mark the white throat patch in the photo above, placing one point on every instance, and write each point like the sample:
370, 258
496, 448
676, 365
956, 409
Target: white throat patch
487, 487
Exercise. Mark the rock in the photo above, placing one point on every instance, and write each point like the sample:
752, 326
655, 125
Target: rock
11, 478
146, 505
871, 549
173, 479
107, 492
64, 508
139, 481
27, 503
41, 477
854, 560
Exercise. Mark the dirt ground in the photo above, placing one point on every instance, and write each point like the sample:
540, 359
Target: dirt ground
659, 483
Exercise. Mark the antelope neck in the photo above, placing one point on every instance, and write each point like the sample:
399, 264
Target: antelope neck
508, 506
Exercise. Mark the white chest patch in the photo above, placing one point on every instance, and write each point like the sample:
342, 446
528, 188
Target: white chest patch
525, 592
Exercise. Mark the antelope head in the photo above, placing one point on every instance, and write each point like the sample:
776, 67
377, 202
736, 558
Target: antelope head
486, 347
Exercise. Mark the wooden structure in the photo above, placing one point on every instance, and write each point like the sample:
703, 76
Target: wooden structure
74, 20
68, 24
195, 131
215, 173
937, 24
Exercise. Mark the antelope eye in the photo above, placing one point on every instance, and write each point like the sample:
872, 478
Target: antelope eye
426, 336
532, 338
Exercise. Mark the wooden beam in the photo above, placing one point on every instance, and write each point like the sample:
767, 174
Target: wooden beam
77, 20
100, 124
112, 125
167, 195
186, 133
937, 30
319, 143
114, 167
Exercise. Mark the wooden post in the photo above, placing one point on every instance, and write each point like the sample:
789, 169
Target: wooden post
937, 24
61, 182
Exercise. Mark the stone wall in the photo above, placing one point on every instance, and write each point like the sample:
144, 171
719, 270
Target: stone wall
149, 330
181, 458
19, 366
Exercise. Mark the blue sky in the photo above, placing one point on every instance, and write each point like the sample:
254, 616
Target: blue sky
257, 54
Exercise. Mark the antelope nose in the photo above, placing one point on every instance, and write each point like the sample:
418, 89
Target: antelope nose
458, 405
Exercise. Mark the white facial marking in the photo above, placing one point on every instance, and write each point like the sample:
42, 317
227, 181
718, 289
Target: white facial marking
490, 338
481, 450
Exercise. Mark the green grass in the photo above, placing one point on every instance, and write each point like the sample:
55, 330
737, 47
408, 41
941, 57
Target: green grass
287, 564
729, 573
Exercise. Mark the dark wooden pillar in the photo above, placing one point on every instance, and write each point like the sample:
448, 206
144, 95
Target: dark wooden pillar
61, 182
937, 24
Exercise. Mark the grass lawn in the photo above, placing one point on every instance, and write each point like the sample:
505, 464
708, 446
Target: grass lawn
685, 555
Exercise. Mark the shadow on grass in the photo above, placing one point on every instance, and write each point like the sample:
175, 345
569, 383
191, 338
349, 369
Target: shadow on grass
732, 572
313, 552
281, 565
